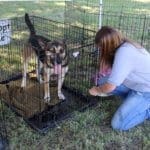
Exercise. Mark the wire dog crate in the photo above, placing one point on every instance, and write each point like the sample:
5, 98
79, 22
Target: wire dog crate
29, 103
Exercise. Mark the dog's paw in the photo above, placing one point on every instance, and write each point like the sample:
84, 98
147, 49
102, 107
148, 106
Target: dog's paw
47, 99
23, 85
21, 89
61, 96
40, 80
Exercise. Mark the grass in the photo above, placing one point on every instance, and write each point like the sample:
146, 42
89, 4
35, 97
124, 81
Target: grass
131, 17
52, 10
87, 130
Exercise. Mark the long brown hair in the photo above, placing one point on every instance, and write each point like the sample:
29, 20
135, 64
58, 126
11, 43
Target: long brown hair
108, 40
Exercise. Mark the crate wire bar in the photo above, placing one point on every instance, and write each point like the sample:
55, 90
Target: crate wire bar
3, 132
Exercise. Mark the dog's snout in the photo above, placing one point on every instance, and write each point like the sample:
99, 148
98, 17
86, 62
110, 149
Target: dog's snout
58, 59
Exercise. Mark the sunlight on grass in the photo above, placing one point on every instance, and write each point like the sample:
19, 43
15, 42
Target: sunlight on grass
21, 9
60, 4
144, 1
90, 9
147, 11
17, 35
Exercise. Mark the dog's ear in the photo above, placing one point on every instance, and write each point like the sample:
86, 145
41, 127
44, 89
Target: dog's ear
41, 43
64, 43
48, 45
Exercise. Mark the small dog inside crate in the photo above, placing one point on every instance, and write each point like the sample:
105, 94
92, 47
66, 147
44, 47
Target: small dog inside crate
51, 58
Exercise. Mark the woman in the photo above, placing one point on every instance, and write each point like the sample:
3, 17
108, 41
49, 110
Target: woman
129, 77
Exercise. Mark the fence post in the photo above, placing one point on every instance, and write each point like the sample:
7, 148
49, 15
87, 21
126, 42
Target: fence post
100, 13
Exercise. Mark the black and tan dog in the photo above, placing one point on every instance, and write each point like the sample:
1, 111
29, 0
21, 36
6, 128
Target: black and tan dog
51, 57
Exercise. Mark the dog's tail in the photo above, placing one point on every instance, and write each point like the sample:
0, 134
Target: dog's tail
29, 24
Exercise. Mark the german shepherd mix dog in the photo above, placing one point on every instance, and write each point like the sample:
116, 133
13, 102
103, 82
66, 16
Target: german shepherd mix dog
51, 57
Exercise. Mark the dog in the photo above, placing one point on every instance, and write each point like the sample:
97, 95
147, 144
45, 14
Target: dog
51, 57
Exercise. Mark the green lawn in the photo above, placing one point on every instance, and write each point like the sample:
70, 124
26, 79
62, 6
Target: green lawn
89, 130
52, 10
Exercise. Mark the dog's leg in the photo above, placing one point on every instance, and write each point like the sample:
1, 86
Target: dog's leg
38, 70
61, 78
46, 84
24, 78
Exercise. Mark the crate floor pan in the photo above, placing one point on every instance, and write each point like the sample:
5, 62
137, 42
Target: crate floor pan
38, 114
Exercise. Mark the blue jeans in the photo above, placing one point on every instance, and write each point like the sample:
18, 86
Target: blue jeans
135, 108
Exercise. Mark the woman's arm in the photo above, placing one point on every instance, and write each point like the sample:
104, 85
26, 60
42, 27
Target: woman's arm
105, 88
122, 66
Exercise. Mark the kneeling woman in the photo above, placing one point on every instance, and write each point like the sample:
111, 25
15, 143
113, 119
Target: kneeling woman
129, 77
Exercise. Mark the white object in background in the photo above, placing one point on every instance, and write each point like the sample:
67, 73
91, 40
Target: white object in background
5, 32
75, 54
102, 95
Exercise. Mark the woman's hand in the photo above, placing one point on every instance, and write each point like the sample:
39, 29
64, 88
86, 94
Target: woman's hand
102, 90
93, 91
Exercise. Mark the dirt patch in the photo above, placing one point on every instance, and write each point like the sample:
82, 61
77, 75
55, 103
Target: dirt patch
113, 145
